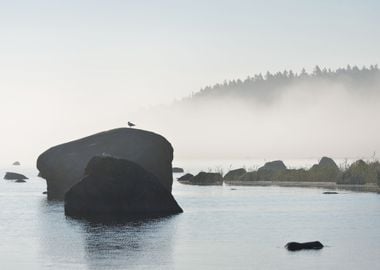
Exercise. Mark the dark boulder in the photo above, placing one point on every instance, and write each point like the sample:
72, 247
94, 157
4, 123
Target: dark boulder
249, 176
63, 166
207, 178
234, 174
185, 177
294, 246
14, 176
330, 192
118, 188
271, 170
359, 173
16, 163
325, 171
177, 170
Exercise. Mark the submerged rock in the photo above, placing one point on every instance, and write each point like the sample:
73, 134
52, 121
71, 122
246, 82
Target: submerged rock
119, 188
63, 166
234, 174
177, 170
185, 177
330, 192
16, 163
14, 176
207, 178
294, 246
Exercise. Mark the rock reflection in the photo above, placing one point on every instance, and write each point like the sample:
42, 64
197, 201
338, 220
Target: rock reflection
121, 244
106, 244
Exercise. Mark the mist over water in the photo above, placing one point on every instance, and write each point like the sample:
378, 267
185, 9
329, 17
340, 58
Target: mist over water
301, 119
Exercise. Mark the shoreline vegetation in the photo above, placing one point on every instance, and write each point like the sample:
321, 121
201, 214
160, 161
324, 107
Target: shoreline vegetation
359, 176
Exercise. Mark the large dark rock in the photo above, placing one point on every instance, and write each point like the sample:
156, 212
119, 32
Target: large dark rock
118, 188
234, 175
14, 176
359, 173
207, 178
294, 246
185, 177
325, 171
271, 170
63, 166
177, 170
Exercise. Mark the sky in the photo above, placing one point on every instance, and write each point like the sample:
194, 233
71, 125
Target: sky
72, 68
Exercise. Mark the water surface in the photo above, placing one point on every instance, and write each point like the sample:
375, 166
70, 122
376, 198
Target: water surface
221, 228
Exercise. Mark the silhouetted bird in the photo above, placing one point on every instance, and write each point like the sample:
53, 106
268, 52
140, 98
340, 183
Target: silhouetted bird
130, 124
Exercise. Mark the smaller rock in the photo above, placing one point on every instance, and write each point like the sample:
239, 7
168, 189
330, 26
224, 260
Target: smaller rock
271, 170
177, 170
207, 178
185, 177
14, 176
273, 166
295, 246
234, 174
45, 192
325, 171
330, 192
16, 163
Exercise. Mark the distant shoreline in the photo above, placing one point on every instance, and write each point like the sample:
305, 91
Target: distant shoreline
371, 187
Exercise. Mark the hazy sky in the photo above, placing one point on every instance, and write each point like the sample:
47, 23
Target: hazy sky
70, 68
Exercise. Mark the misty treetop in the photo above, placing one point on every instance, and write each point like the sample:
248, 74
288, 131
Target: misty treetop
264, 88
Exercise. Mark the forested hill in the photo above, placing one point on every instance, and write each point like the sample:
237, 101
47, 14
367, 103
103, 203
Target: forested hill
266, 88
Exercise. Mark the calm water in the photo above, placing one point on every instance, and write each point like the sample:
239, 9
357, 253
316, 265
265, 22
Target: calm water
221, 228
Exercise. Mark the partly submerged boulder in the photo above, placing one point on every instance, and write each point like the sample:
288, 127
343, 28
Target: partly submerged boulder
16, 163
14, 176
185, 177
177, 170
207, 178
234, 175
325, 171
118, 188
295, 246
63, 166
359, 173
